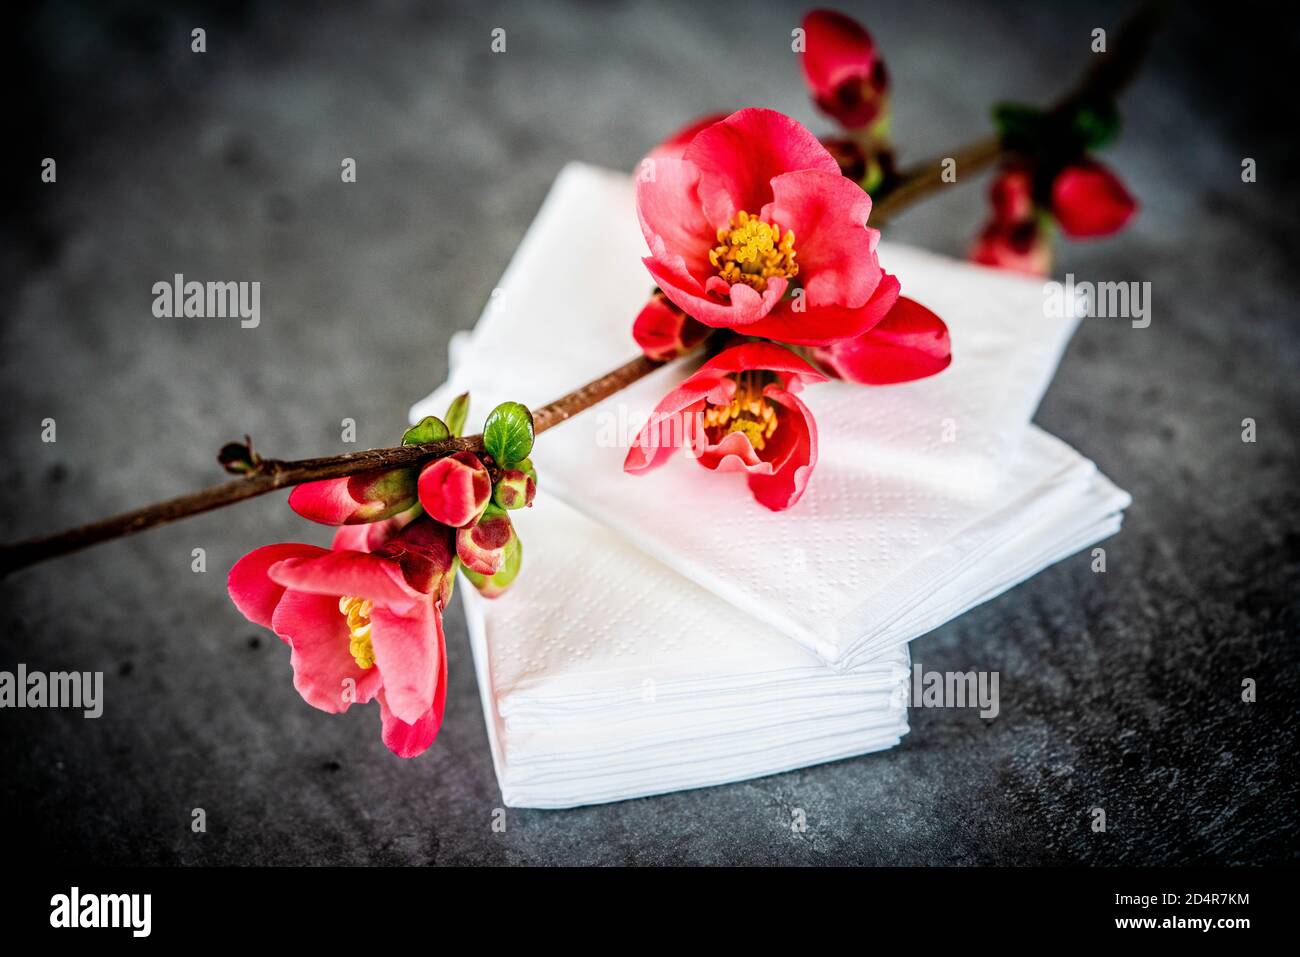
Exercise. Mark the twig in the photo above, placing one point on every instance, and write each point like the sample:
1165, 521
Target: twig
271, 474
1106, 78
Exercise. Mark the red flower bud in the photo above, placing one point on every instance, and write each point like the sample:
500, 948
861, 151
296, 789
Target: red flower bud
1012, 194
356, 499
454, 489
482, 546
664, 332
845, 72
516, 487
1089, 200
1020, 247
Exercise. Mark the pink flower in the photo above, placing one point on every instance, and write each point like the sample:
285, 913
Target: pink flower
909, 343
355, 499
664, 332
754, 229
361, 625
1089, 200
845, 72
739, 413
1020, 247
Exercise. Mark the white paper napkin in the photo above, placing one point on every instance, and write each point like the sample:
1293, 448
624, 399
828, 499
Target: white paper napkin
604, 675
917, 483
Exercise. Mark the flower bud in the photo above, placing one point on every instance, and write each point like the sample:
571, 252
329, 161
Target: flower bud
356, 499
516, 487
845, 72
454, 489
491, 586
482, 545
1019, 247
238, 458
1012, 195
665, 332
1089, 200
426, 552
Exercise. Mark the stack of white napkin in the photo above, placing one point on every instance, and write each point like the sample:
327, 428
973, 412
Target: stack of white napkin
668, 632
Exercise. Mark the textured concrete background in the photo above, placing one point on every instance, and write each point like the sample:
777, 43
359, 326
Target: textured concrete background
1118, 690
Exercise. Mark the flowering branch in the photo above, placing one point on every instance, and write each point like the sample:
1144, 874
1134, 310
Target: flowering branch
267, 475
1107, 76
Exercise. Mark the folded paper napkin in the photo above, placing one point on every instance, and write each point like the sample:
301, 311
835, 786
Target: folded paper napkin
918, 488
605, 675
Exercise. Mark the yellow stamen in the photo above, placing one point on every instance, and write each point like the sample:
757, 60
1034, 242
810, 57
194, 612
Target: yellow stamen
357, 611
752, 251
748, 412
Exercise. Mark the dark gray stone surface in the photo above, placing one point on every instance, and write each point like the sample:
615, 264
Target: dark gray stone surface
1119, 690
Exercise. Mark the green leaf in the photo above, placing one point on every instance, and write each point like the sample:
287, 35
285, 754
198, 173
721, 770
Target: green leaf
429, 429
508, 433
1021, 127
457, 413
1097, 124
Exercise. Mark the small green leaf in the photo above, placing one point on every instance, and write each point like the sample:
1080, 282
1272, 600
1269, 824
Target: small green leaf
1097, 124
508, 433
457, 412
1021, 127
429, 429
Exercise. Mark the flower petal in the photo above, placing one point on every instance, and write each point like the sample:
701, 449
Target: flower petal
835, 247
716, 303
251, 588
412, 740
324, 671
372, 536
363, 574
797, 454
739, 157
675, 145
909, 343
819, 325
674, 226
761, 355
407, 652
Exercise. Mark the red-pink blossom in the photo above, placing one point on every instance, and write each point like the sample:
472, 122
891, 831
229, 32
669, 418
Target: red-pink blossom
755, 229
739, 412
361, 625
